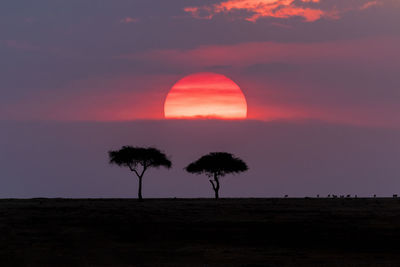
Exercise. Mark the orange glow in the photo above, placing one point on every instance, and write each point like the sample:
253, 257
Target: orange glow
271, 8
263, 8
205, 95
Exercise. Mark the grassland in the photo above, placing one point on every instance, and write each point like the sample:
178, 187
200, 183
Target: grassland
200, 232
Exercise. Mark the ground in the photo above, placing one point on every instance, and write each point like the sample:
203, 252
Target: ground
200, 232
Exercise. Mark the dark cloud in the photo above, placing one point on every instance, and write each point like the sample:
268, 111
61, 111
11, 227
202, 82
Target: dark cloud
267, 69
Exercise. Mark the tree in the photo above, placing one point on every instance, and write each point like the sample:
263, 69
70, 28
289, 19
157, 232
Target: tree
138, 160
216, 165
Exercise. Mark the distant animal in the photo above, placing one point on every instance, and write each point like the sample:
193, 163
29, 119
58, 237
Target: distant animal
374, 196
394, 196
286, 196
348, 196
318, 196
329, 196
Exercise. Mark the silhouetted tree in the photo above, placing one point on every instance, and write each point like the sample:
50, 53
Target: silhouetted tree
138, 160
216, 165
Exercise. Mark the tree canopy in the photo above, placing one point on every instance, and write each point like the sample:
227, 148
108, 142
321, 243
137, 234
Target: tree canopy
132, 156
217, 163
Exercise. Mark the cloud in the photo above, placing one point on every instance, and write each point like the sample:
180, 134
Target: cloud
128, 20
270, 68
369, 4
20, 45
260, 8
309, 10
29, 20
380, 51
111, 98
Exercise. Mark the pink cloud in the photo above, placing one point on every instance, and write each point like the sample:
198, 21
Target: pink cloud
378, 51
369, 4
309, 10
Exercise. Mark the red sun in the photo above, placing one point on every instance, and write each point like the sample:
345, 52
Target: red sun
205, 95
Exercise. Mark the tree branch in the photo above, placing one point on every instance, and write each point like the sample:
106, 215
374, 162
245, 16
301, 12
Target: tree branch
216, 181
134, 170
212, 183
144, 169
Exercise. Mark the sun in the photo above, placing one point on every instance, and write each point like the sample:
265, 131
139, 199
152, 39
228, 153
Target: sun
205, 95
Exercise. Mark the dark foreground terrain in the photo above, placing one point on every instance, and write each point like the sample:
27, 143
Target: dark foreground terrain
175, 232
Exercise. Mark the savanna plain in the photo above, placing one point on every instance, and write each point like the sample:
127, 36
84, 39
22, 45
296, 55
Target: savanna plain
200, 232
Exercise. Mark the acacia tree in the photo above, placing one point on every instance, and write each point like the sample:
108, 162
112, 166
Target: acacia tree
216, 165
138, 160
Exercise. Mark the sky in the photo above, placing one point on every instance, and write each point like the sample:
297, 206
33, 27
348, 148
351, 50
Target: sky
320, 77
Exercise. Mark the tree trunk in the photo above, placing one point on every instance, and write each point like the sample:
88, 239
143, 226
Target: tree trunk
140, 189
216, 194
216, 187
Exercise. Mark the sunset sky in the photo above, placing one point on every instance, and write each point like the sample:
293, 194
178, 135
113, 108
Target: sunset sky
82, 77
